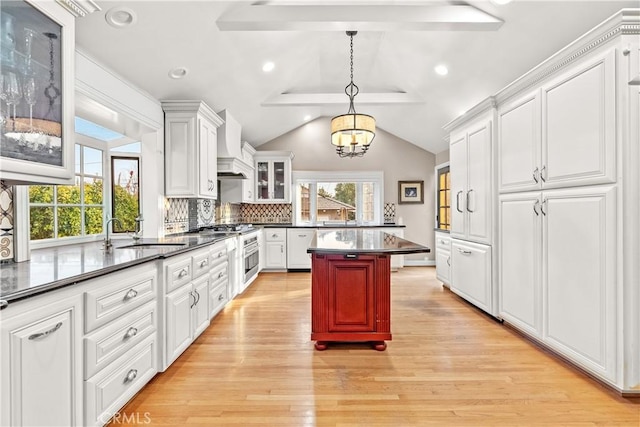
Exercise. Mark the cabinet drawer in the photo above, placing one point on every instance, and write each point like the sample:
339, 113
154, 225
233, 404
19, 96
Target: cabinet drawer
218, 296
443, 241
178, 273
220, 271
218, 251
124, 291
201, 262
109, 390
275, 234
218, 259
111, 341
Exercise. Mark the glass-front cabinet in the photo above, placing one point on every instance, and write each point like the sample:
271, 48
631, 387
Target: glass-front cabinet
273, 176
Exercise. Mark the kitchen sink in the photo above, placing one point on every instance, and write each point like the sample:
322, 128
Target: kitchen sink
152, 245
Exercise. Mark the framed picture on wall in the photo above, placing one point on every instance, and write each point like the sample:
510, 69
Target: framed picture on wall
410, 192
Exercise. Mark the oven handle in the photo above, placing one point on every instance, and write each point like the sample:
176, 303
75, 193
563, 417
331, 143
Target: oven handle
250, 250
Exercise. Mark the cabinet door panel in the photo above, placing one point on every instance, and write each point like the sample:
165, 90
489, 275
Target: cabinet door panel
578, 119
520, 262
458, 162
276, 255
443, 265
179, 322
478, 195
42, 376
297, 243
471, 273
180, 177
519, 144
200, 310
351, 295
579, 275
262, 180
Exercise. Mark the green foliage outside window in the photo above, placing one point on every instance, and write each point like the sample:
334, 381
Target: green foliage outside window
126, 209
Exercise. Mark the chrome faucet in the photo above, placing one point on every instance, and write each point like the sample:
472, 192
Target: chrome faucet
107, 240
137, 233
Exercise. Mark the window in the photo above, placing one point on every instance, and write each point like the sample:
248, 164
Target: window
125, 195
61, 211
346, 196
443, 217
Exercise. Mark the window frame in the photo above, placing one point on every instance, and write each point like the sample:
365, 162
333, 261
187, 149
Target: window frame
358, 177
439, 169
82, 141
114, 154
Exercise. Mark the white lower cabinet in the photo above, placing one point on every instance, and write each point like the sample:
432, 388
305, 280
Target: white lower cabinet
443, 257
42, 364
275, 248
298, 240
471, 273
558, 272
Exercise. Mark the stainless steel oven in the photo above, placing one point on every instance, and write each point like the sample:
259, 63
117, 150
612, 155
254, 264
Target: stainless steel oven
251, 256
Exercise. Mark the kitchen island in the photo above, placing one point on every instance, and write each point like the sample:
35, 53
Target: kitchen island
351, 285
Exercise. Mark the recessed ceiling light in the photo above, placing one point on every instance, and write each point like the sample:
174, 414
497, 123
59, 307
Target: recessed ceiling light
307, 118
120, 17
441, 70
178, 73
500, 2
268, 66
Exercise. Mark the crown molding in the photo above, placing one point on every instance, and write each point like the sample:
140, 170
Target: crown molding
483, 107
624, 22
79, 8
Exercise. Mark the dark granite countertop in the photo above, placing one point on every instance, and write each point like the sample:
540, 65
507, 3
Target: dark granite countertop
362, 241
56, 267
439, 230
290, 225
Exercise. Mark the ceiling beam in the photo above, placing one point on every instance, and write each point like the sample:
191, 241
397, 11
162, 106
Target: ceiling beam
359, 18
319, 99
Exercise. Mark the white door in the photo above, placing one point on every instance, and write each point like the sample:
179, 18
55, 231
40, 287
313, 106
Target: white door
578, 125
519, 144
207, 145
471, 273
443, 266
42, 371
458, 167
478, 194
579, 275
200, 309
520, 263
298, 241
275, 255
179, 322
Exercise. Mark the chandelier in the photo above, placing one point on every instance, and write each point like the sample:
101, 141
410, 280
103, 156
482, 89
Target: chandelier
352, 133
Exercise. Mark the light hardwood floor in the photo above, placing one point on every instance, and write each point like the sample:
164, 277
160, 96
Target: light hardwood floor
448, 365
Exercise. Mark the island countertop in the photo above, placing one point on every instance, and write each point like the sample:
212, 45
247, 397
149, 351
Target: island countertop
362, 241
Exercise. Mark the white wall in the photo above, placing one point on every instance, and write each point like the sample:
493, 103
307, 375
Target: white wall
399, 159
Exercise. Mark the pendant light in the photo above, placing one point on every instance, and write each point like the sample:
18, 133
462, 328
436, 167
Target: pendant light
352, 133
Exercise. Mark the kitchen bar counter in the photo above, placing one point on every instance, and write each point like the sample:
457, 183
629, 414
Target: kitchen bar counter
56, 267
351, 285
362, 241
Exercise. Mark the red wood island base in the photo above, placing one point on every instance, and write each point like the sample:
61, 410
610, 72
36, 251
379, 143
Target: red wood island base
351, 299
351, 284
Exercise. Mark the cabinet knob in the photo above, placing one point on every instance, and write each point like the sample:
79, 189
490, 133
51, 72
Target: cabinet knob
183, 273
220, 274
131, 332
220, 297
204, 263
131, 375
130, 295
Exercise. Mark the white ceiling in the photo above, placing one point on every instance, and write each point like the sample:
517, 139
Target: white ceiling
225, 67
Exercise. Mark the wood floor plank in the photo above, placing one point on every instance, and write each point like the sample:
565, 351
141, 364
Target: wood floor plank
447, 365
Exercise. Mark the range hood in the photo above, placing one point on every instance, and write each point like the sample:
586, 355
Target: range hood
231, 165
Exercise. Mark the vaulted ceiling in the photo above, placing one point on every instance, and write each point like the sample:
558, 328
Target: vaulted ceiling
223, 45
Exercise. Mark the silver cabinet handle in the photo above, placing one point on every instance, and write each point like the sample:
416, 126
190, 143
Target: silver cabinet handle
194, 299
535, 175
220, 297
442, 242
274, 235
449, 261
353, 256
220, 254
131, 375
132, 293
469, 200
198, 295
183, 273
543, 173
544, 202
302, 235
535, 205
458, 202
462, 251
281, 249
3, 304
220, 274
45, 333
204, 263
131, 332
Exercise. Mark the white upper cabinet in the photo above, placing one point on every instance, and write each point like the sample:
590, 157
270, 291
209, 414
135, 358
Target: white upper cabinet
190, 149
563, 134
273, 176
39, 148
470, 159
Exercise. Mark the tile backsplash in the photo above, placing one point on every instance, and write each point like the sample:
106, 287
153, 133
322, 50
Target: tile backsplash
389, 212
266, 213
6, 222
